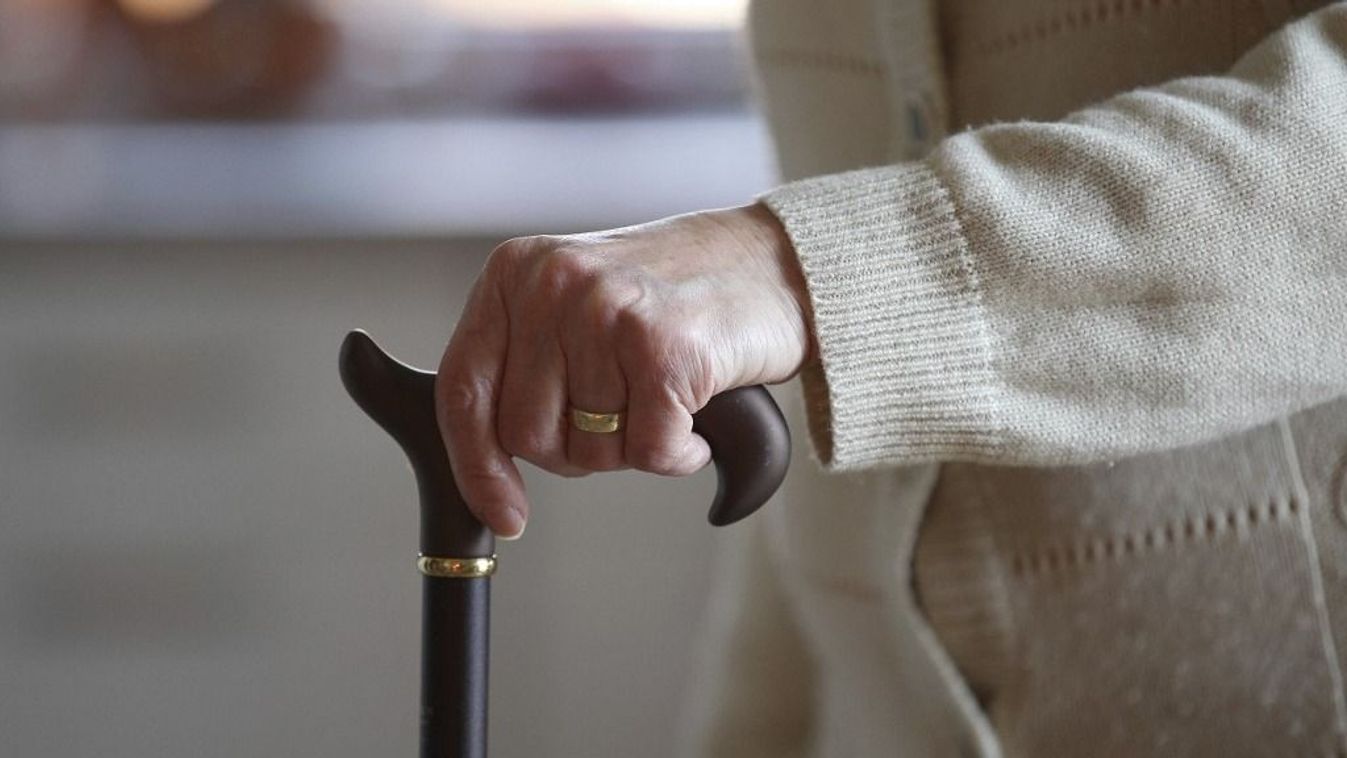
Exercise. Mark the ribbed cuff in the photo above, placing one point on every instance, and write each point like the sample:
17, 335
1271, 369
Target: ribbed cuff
903, 373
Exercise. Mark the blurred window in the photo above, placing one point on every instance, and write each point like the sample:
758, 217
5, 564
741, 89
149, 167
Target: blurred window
256, 59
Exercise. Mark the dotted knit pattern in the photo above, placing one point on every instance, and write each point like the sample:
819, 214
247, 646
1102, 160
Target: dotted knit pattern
819, 59
1075, 18
1231, 523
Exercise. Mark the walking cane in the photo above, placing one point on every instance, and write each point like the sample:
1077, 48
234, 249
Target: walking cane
749, 443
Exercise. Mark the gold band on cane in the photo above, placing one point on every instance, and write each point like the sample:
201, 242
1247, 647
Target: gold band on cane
599, 423
456, 568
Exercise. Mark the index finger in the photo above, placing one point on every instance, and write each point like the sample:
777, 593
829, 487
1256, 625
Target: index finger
467, 389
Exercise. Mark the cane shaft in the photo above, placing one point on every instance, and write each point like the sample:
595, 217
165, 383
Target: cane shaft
454, 648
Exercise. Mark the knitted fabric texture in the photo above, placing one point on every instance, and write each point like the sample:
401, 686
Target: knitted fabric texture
1142, 274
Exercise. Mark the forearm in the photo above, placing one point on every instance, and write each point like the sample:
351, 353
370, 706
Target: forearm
1161, 269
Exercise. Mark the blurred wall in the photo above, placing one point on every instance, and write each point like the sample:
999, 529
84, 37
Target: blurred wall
206, 550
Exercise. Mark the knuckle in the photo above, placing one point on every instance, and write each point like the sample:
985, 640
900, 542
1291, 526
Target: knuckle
461, 395
609, 303
478, 475
654, 456
637, 332
507, 256
529, 261
562, 269
659, 352
479, 480
525, 441
477, 472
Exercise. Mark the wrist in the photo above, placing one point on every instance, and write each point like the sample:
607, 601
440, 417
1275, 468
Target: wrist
766, 238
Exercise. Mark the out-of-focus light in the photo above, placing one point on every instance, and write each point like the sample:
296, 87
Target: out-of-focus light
165, 11
525, 13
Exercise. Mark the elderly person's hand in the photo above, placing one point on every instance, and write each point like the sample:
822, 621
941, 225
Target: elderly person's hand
650, 320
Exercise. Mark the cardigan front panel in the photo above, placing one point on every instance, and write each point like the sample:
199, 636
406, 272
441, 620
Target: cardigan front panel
1111, 609
1042, 59
819, 79
1320, 440
843, 542
836, 98
1123, 608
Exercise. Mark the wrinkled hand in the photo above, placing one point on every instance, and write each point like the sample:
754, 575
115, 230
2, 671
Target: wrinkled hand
651, 320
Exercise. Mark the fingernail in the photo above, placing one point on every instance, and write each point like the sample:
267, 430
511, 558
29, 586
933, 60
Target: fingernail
515, 524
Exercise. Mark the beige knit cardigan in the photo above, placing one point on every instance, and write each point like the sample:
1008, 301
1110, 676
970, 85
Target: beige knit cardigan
1082, 315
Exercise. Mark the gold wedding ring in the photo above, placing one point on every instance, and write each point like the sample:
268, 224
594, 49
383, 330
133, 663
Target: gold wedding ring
599, 423
456, 568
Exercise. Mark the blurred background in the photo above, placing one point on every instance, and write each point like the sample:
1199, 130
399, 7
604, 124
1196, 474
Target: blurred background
205, 549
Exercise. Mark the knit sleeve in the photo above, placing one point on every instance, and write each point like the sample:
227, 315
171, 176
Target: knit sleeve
1165, 267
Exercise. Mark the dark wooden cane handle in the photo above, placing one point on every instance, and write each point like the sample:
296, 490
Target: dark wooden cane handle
750, 445
749, 440
401, 399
